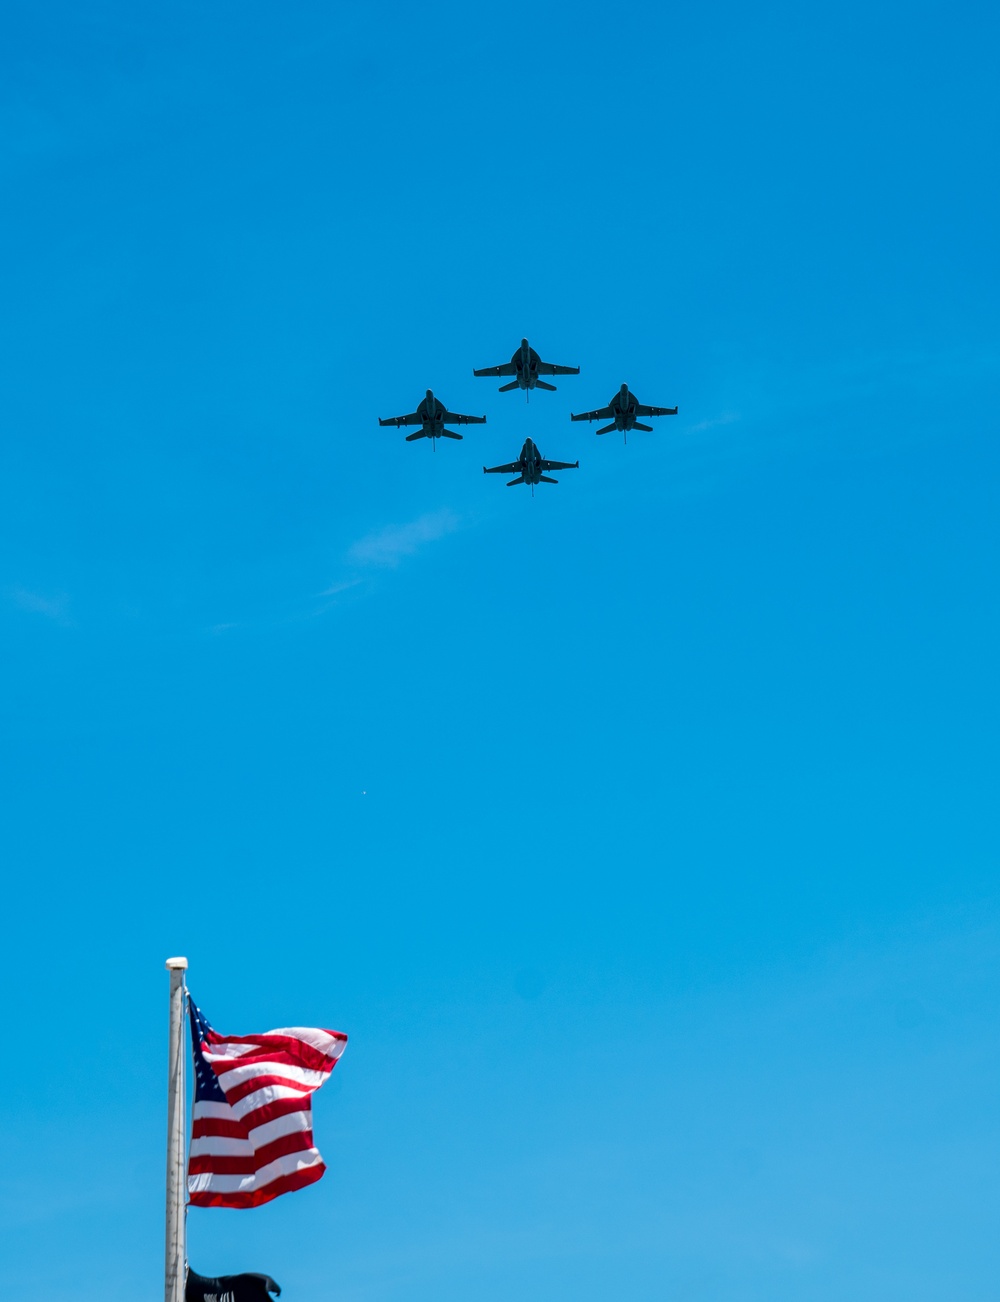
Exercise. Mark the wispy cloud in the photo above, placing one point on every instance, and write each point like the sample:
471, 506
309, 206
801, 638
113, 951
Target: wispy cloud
387, 547
51, 607
336, 588
727, 418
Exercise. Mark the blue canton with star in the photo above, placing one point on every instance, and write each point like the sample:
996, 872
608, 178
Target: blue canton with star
206, 1084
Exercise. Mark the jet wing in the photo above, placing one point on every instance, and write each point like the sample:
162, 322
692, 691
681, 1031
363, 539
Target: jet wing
560, 465
640, 410
512, 468
412, 419
602, 413
508, 368
546, 368
453, 418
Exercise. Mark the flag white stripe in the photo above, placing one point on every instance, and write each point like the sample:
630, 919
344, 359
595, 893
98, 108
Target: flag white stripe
293, 1123
220, 1146
232, 1076
225, 1146
217, 1111
209, 1182
330, 1045
246, 1107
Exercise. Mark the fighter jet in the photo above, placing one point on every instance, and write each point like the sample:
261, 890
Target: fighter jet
623, 410
526, 366
432, 415
529, 467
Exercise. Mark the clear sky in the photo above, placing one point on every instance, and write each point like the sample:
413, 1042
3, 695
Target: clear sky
642, 835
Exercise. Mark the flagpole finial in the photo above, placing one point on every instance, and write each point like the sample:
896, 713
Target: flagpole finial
177, 964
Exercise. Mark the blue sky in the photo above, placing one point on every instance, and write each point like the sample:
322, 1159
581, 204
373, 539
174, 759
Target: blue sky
641, 835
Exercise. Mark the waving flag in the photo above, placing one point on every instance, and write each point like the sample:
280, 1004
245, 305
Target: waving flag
229, 1288
251, 1138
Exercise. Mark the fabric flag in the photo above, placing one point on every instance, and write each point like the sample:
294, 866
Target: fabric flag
229, 1288
251, 1137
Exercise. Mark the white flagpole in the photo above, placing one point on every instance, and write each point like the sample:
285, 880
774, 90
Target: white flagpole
176, 1100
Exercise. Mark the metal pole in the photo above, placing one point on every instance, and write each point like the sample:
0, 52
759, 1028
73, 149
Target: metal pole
175, 1254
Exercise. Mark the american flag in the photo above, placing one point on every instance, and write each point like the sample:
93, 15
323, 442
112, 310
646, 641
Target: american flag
251, 1136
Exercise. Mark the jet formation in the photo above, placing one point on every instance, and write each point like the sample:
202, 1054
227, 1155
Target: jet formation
431, 416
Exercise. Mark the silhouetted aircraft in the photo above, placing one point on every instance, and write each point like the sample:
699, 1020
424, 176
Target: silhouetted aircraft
623, 410
432, 416
529, 467
526, 366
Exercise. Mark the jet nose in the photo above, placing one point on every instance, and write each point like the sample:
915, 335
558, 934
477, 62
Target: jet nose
430, 395
524, 343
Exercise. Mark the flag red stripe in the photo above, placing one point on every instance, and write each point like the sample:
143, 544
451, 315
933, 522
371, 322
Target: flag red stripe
281, 1048
240, 1090
234, 1128
218, 1164
269, 1037
279, 1108
257, 1197
206, 1127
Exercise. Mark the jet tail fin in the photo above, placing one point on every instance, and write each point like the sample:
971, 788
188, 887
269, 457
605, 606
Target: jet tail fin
607, 428
419, 435
540, 384
450, 434
506, 388
647, 428
518, 480
547, 479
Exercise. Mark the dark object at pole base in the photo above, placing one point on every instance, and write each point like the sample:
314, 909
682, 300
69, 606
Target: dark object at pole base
249, 1287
